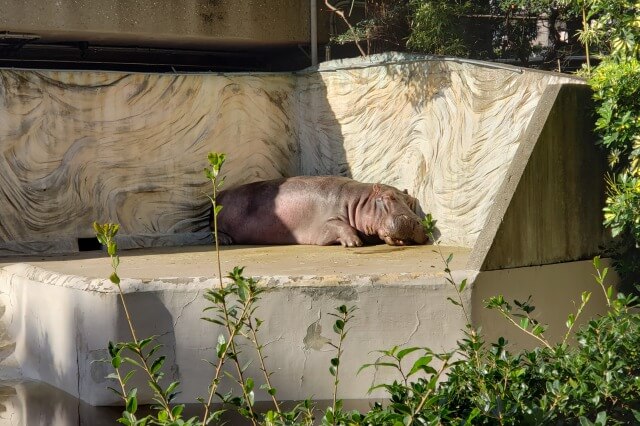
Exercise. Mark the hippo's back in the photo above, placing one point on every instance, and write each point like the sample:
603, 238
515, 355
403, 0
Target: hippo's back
280, 211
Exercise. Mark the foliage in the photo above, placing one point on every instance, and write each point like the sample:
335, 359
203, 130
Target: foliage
436, 27
594, 381
502, 29
617, 24
615, 27
233, 308
383, 24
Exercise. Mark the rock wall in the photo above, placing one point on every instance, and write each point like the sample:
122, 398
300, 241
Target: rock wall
445, 130
82, 146
76, 147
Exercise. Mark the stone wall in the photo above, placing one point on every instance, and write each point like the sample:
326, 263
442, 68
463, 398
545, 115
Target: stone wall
76, 147
82, 146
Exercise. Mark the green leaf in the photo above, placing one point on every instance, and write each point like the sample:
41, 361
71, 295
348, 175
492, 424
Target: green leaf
524, 323
332, 370
128, 376
177, 411
132, 361
570, 320
378, 364
132, 403
243, 290
249, 385
453, 301
584, 421
144, 342
537, 330
421, 363
463, 284
404, 352
172, 386
335, 361
116, 361
157, 364
114, 278
338, 326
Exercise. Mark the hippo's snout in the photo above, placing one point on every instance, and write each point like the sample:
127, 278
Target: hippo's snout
404, 230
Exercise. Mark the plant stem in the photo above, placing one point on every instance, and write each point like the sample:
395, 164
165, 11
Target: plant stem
145, 366
586, 42
540, 339
580, 309
426, 395
346, 21
215, 229
233, 332
345, 318
262, 364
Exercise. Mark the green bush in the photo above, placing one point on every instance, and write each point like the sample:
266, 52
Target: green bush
596, 380
616, 85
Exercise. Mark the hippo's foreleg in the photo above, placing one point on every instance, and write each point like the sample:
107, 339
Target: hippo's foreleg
224, 239
337, 231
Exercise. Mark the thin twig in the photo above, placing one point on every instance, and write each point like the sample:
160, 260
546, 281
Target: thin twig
541, 339
346, 21
263, 366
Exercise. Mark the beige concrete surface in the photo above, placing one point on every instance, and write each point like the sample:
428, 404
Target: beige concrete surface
164, 23
54, 326
200, 261
549, 207
555, 291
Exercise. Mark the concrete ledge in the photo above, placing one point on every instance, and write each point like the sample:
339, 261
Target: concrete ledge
60, 323
166, 23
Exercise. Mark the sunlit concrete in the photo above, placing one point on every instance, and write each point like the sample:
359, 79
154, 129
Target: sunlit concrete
62, 312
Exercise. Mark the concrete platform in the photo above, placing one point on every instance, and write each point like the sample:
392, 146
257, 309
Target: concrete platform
260, 261
59, 313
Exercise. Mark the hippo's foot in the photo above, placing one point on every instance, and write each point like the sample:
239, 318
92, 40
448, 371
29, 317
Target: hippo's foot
336, 231
224, 239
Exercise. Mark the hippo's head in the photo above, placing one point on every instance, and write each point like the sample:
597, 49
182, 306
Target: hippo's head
397, 223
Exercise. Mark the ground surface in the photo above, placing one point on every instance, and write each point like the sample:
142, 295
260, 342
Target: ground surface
199, 261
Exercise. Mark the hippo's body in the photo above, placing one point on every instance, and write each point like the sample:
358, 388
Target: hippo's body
321, 210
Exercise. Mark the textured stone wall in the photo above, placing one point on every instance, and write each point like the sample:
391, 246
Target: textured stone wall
82, 146
446, 131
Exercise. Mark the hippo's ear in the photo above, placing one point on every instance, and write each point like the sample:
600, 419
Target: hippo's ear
376, 188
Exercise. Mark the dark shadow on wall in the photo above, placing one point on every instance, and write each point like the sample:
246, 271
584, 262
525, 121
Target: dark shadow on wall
420, 82
319, 132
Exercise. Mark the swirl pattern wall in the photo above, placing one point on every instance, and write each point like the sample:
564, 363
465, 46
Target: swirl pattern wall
130, 148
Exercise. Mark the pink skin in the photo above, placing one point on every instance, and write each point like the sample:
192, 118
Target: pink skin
321, 210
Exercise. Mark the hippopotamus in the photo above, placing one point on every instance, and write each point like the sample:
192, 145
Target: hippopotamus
320, 210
